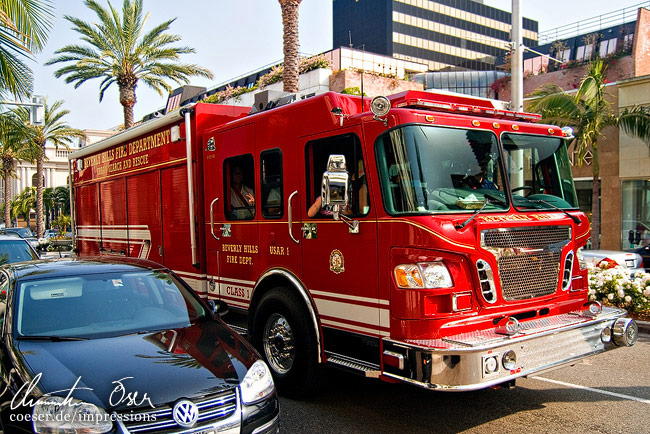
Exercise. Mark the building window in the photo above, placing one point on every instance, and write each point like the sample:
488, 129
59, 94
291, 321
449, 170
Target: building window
607, 47
636, 214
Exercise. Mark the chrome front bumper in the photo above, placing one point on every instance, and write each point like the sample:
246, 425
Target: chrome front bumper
473, 361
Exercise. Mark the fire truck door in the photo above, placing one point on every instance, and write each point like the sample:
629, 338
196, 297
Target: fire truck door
340, 266
231, 188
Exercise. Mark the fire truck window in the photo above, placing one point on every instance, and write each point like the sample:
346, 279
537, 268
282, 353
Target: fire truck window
317, 153
239, 182
271, 183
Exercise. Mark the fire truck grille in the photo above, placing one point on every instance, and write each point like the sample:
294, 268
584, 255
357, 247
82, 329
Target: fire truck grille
528, 259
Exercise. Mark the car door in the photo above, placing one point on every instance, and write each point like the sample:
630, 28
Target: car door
339, 263
231, 197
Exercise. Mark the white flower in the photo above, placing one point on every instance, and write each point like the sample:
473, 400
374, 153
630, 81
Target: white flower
610, 296
647, 292
621, 293
628, 298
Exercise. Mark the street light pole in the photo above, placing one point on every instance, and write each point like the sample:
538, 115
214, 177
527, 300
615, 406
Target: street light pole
517, 88
37, 109
516, 59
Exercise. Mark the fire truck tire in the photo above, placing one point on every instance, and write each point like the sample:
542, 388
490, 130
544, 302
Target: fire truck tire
284, 336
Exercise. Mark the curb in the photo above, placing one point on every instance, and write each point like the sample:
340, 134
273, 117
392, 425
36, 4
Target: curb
644, 327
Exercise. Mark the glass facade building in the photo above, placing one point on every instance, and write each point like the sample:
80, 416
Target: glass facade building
475, 83
443, 34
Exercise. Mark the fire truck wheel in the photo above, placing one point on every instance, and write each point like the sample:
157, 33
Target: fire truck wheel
285, 338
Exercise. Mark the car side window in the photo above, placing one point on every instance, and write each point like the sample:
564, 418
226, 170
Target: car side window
271, 183
239, 183
4, 293
317, 154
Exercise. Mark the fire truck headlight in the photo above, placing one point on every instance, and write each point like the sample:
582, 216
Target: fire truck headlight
423, 275
408, 276
436, 275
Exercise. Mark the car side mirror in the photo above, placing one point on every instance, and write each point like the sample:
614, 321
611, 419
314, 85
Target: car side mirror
219, 307
335, 190
336, 181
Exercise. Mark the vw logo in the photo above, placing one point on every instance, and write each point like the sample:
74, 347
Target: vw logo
185, 413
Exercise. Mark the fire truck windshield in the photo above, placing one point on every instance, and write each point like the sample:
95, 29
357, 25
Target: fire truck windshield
539, 172
428, 169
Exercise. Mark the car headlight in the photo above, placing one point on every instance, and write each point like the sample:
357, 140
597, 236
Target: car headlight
55, 415
423, 275
257, 384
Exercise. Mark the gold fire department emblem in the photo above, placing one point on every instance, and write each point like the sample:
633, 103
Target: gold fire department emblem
336, 262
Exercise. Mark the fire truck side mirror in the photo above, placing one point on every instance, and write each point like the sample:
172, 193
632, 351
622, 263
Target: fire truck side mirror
336, 182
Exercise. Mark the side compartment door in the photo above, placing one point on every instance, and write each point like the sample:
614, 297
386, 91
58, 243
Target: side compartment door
143, 216
231, 189
88, 224
112, 205
340, 266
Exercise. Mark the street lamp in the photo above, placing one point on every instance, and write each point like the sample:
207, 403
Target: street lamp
36, 109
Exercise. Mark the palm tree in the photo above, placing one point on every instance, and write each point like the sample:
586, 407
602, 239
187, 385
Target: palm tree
589, 113
12, 148
290, 74
57, 132
23, 31
24, 203
61, 200
48, 204
120, 52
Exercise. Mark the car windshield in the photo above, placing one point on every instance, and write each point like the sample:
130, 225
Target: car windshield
102, 305
15, 251
427, 169
539, 172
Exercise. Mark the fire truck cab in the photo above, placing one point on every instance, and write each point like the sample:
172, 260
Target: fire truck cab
429, 238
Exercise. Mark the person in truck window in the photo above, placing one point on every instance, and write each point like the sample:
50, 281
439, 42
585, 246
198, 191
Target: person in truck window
242, 198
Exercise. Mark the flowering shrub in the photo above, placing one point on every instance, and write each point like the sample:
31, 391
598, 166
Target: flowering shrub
616, 287
227, 93
305, 64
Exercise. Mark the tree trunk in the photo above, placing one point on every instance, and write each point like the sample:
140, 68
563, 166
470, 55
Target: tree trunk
127, 99
7, 165
39, 192
291, 74
595, 201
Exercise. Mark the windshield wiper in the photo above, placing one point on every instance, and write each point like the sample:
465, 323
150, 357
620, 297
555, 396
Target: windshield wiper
575, 219
459, 226
52, 338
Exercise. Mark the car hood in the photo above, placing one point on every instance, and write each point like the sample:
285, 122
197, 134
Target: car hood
137, 370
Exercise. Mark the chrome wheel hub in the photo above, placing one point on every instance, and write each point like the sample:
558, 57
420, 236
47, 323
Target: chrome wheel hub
279, 344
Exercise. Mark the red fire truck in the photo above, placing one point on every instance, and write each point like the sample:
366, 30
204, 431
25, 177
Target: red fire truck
429, 238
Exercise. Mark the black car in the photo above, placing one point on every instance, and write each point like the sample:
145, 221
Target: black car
118, 346
24, 233
15, 249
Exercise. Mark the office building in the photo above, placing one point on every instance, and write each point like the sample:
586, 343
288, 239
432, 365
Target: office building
443, 34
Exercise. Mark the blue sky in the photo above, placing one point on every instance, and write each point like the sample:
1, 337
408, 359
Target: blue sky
233, 37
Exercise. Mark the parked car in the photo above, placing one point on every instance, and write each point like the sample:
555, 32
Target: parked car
25, 233
15, 249
644, 252
123, 345
631, 261
49, 233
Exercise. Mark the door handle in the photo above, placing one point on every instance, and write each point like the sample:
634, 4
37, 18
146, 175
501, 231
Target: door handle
212, 218
289, 210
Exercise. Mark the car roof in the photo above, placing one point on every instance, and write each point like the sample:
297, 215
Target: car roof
78, 266
11, 237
